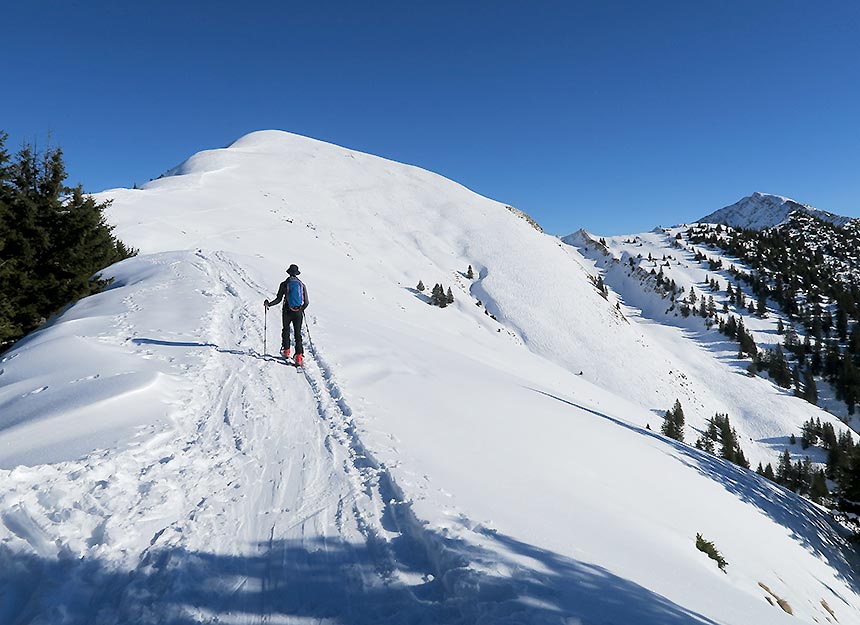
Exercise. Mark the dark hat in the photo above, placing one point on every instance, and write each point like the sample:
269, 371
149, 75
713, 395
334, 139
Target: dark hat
293, 270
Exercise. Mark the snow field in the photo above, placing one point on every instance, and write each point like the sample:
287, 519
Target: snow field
429, 466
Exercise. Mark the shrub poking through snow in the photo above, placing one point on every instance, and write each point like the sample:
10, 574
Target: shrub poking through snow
707, 547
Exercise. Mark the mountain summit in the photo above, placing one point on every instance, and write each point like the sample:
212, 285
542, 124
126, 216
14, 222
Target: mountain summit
763, 210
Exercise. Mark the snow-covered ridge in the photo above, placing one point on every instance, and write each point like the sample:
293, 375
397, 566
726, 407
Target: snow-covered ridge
487, 462
763, 210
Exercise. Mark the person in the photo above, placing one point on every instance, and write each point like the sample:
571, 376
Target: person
295, 295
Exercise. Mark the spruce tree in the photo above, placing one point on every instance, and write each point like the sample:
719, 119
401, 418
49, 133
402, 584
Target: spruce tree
783, 469
420, 286
780, 370
449, 297
818, 488
668, 427
673, 422
53, 240
761, 305
436, 295
469, 273
810, 390
804, 476
848, 477
708, 438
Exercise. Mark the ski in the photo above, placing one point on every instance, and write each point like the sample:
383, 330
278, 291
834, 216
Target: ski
292, 363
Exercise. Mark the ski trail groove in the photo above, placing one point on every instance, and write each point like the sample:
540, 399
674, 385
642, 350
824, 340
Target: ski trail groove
260, 505
390, 518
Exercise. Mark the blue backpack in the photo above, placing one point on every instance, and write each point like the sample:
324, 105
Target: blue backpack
295, 293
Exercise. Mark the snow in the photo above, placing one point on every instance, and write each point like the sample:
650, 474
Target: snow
706, 374
428, 465
763, 210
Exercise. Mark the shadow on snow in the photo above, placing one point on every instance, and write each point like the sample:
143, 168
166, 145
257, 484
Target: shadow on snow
250, 353
808, 524
288, 582
431, 579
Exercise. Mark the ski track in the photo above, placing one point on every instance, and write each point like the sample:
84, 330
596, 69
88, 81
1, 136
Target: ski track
261, 506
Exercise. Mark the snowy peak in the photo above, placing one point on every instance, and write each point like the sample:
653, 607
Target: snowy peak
763, 210
269, 144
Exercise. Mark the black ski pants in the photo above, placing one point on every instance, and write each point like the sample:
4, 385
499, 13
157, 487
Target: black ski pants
293, 317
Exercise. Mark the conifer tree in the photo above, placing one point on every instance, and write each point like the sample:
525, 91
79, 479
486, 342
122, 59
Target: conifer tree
795, 380
469, 273
818, 488
673, 422
420, 286
808, 434
730, 448
761, 306
804, 474
449, 297
848, 476
779, 368
708, 438
784, 469
53, 240
437, 296
810, 390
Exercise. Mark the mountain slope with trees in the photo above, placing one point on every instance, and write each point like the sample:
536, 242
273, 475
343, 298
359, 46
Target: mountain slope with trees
497, 460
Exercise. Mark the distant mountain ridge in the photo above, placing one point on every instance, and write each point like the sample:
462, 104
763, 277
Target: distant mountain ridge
764, 210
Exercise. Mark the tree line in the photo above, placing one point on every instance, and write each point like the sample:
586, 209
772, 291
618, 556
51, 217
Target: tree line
810, 269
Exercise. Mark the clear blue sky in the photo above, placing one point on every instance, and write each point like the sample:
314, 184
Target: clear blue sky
614, 116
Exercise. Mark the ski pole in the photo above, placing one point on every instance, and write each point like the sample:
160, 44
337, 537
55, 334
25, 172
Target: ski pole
265, 334
308, 330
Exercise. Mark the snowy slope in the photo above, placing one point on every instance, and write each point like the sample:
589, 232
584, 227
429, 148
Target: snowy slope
763, 210
430, 465
710, 377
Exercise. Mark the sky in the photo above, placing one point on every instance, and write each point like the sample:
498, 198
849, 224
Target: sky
615, 116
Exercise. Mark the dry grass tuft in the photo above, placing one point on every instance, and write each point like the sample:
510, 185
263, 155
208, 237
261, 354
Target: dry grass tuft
779, 600
829, 610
